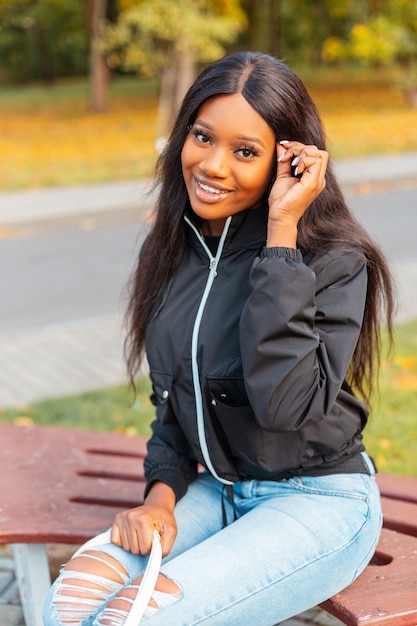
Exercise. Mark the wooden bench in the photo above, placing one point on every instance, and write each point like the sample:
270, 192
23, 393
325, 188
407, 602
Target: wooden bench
61, 486
64, 486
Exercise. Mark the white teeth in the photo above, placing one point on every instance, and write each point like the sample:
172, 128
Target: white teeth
210, 189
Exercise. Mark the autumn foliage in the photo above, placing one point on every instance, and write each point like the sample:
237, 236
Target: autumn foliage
49, 137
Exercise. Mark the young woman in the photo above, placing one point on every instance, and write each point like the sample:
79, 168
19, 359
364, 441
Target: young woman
258, 298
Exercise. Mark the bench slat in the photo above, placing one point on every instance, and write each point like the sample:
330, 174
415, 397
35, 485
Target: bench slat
385, 594
73, 506
398, 487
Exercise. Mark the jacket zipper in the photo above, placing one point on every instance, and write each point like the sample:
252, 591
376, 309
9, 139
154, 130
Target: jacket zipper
214, 261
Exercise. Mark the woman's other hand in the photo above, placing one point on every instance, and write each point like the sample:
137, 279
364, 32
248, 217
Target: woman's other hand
133, 529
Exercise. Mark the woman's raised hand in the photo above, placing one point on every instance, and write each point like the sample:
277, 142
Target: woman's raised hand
290, 196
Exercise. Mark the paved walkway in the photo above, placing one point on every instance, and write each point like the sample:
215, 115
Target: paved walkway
69, 358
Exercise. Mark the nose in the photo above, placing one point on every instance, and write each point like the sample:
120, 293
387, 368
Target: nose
215, 163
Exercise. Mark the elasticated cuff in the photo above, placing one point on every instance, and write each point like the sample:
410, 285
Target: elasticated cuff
174, 480
279, 251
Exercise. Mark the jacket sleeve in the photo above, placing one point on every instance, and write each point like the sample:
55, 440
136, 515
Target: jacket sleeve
298, 332
167, 460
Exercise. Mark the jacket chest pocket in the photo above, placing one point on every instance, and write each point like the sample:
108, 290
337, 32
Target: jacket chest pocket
232, 416
227, 393
234, 421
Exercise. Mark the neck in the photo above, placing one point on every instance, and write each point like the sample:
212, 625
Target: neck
212, 228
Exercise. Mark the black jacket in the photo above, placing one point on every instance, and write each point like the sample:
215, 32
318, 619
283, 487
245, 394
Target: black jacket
248, 361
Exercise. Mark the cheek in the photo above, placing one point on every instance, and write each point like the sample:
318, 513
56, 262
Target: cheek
258, 181
187, 158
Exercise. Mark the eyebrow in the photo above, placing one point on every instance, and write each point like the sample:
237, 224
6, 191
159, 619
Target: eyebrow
240, 137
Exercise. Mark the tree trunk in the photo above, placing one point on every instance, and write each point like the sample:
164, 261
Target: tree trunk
273, 28
46, 73
251, 36
99, 72
411, 94
165, 104
186, 73
263, 32
177, 77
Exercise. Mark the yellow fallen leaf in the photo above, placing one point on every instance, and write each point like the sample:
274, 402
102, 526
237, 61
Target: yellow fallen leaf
406, 362
23, 420
384, 443
406, 381
380, 461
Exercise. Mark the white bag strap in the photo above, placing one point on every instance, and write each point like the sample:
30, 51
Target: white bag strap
148, 583
98, 540
149, 578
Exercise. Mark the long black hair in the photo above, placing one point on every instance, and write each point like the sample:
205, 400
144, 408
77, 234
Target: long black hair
280, 97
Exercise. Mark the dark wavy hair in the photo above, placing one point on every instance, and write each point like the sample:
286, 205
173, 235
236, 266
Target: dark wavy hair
280, 97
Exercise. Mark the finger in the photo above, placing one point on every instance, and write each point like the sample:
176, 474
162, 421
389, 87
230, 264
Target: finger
313, 174
292, 149
124, 535
133, 540
168, 536
125, 525
283, 163
145, 538
291, 156
115, 535
309, 157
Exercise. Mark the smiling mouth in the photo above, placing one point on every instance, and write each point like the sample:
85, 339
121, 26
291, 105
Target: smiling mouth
208, 193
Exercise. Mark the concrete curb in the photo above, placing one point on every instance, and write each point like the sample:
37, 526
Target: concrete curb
17, 207
377, 169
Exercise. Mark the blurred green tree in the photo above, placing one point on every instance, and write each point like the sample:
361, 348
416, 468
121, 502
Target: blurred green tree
42, 39
166, 38
295, 29
386, 35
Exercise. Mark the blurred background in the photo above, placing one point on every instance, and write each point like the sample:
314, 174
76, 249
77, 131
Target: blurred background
88, 87
88, 90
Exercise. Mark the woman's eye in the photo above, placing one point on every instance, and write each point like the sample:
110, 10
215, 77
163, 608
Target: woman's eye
200, 136
247, 152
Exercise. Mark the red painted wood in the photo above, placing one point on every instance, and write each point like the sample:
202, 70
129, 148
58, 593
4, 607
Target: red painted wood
384, 594
63, 485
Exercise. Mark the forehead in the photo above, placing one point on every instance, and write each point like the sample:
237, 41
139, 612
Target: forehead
232, 114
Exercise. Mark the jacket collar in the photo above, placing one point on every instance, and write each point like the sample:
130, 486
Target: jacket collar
247, 229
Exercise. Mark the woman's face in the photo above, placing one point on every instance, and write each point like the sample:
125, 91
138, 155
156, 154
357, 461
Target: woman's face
228, 160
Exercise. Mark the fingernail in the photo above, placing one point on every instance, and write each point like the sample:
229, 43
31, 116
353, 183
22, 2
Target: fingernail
294, 161
281, 157
284, 141
296, 171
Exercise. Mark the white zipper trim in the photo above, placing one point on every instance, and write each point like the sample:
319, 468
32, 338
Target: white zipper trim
214, 261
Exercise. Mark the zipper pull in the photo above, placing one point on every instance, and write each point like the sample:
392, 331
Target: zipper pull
213, 267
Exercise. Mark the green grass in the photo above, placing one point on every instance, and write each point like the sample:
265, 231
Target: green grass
111, 409
72, 90
391, 435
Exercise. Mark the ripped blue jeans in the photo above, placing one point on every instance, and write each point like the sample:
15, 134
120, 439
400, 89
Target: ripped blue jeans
293, 544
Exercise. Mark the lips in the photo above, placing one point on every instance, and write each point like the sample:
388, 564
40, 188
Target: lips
208, 193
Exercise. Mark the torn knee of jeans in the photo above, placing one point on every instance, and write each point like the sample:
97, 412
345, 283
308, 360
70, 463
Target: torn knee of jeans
166, 592
85, 584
